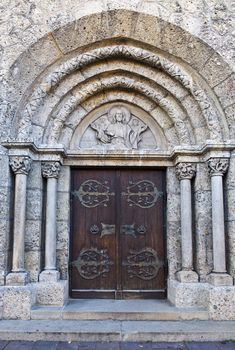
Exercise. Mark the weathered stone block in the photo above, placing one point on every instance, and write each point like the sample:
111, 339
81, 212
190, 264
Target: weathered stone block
62, 261
230, 116
49, 276
64, 179
54, 293
230, 204
17, 279
187, 294
221, 303
34, 204
147, 28
17, 302
187, 276
220, 279
212, 71
82, 32
173, 207
4, 202
202, 178
63, 230
33, 235
33, 264
226, 91
34, 180
173, 248
63, 206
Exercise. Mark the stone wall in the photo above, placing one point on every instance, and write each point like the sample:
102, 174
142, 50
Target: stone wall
65, 64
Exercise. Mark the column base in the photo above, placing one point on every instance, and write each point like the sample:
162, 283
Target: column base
220, 279
17, 279
187, 276
49, 276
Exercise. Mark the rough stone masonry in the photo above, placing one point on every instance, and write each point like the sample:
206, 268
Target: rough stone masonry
105, 83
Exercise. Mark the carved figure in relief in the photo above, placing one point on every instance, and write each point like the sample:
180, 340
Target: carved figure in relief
119, 128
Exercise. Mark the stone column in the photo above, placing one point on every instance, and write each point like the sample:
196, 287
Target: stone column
185, 173
21, 167
50, 170
217, 168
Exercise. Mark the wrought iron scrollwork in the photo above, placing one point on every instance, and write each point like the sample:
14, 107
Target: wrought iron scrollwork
131, 230
93, 193
106, 229
143, 194
143, 264
92, 263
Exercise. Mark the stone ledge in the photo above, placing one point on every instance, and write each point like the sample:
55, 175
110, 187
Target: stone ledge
165, 331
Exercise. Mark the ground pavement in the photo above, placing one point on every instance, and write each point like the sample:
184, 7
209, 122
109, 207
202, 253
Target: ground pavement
53, 345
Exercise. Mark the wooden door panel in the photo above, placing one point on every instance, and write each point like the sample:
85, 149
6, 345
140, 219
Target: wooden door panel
93, 248
117, 245
141, 229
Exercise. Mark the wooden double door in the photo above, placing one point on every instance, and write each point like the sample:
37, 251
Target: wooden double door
117, 236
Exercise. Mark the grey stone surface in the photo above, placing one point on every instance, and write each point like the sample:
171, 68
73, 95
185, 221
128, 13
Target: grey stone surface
172, 64
17, 302
125, 331
52, 293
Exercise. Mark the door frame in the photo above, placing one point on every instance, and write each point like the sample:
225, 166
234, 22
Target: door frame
90, 167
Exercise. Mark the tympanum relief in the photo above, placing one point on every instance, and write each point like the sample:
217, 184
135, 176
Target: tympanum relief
118, 129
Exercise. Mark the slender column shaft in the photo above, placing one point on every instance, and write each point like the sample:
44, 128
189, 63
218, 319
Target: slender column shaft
19, 223
186, 224
50, 248
218, 168
218, 224
185, 173
50, 170
20, 166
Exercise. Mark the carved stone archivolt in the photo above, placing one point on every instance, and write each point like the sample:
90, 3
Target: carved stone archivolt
85, 91
50, 169
185, 171
218, 166
131, 53
20, 165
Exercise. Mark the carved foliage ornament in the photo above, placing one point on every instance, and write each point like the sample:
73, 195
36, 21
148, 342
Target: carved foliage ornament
185, 171
20, 165
119, 128
50, 169
148, 57
218, 166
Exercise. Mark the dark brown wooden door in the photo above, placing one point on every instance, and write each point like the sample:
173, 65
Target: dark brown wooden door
117, 243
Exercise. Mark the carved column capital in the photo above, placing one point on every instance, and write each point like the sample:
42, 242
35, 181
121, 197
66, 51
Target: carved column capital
185, 171
50, 169
20, 164
218, 166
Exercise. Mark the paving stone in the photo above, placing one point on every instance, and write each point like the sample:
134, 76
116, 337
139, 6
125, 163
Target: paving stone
203, 346
107, 346
227, 346
3, 344
20, 345
86, 345
135, 346
44, 345
68, 346
168, 346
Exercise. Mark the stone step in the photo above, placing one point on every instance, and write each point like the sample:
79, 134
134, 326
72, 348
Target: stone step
137, 310
108, 330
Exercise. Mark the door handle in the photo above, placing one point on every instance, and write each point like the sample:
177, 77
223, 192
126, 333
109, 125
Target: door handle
106, 229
